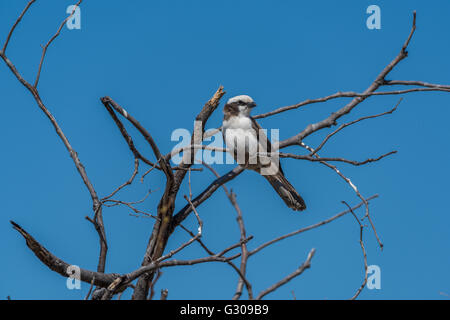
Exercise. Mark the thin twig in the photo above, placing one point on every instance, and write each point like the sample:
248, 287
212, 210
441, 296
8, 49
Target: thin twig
44, 49
128, 182
361, 243
316, 225
351, 123
244, 251
15, 25
152, 287
305, 265
90, 288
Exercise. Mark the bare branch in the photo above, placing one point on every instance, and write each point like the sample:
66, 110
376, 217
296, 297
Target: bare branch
238, 271
129, 205
416, 83
355, 189
296, 273
127, 183
352, 94
54, 263
15, 25
152, 287
126, 136
316, 225
244, 251
164, 165
194, 238
90, 288
163, 226
361, 243
351, 123
320, 159
193, 148
183, 213
44, 49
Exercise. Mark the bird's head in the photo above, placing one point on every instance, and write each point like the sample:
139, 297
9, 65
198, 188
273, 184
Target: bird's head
239, 106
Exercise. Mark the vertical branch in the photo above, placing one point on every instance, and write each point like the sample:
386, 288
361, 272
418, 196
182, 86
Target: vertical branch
361, 243
351, 184
90, 289
244, 251
163, 226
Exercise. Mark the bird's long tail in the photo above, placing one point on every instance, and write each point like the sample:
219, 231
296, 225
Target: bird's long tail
286, 191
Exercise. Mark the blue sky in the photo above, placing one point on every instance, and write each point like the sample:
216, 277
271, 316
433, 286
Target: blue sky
162, 60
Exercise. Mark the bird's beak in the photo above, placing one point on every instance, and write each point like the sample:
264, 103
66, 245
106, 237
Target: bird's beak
252, 105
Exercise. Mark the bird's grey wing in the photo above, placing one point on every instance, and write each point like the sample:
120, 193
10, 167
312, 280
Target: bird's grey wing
262, 136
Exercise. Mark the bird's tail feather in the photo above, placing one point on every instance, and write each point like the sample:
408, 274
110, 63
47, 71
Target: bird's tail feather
286, 191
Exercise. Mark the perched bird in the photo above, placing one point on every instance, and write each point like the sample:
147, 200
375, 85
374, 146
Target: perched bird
248, 143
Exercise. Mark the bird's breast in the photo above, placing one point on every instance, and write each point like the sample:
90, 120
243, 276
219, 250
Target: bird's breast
238, 133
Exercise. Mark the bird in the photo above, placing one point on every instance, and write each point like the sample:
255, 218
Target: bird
249, 146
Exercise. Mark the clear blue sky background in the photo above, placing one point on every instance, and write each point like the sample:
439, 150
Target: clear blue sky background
162, 60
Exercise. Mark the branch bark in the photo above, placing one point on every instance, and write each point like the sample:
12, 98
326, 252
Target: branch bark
163, 226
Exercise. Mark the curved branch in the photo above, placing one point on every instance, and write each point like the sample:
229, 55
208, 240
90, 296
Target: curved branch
54, 263
147, 136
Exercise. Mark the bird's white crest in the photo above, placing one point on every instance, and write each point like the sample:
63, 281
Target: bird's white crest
243, 98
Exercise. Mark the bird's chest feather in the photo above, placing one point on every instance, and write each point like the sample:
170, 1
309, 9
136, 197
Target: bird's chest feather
239, 132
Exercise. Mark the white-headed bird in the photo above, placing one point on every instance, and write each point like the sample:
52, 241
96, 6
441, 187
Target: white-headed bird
248, 143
